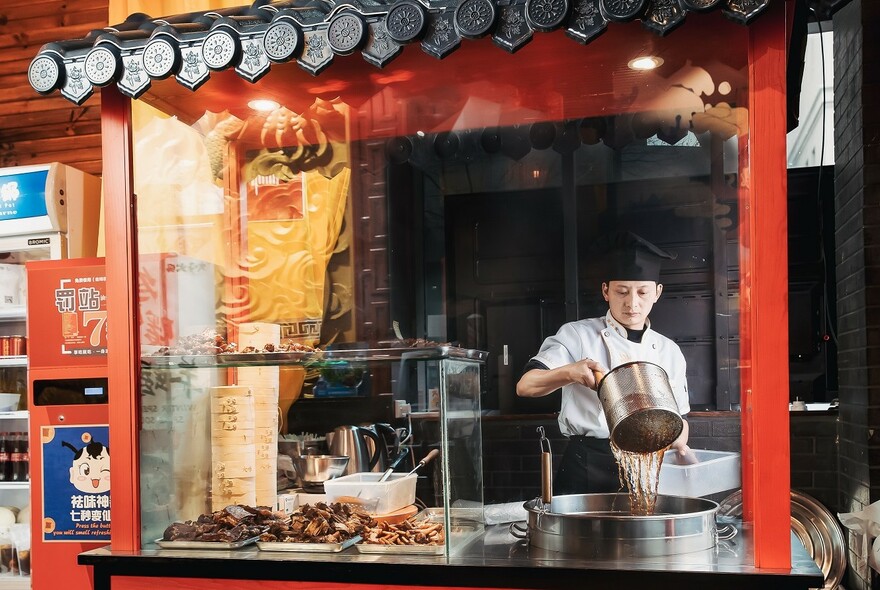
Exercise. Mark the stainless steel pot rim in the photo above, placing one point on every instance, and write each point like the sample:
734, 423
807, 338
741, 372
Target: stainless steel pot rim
536, 506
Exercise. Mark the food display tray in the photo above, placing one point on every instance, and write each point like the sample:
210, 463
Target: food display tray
308, 547
155, 361
401, 549
403, 353
205, 544
228, 358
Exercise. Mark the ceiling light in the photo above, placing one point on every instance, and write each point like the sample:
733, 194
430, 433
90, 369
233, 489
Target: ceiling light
645, 62
263, 104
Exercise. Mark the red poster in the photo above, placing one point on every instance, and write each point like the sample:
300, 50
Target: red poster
67, 313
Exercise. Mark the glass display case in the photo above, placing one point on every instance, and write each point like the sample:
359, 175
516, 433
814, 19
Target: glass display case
179, 434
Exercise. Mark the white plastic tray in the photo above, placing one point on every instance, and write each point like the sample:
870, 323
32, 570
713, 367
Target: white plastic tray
714, 472
377, 497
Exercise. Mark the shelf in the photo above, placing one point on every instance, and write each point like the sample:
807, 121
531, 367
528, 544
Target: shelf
13, 582
14, 485
16, 415
14, 313
13, 361
312, 359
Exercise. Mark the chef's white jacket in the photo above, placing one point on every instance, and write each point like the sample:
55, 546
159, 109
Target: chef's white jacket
604, 340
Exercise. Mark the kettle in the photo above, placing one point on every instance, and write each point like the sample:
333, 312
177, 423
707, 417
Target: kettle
389, 444
360, 445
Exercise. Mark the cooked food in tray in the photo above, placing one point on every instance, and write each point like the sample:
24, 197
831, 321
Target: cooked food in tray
230, 525
412, 531
210, 342
320, 523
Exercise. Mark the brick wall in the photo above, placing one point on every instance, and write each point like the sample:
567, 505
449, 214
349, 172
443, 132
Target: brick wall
814, 457
857, 233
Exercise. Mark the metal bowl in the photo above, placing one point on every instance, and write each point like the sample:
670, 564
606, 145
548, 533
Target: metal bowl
314, 470
295, 448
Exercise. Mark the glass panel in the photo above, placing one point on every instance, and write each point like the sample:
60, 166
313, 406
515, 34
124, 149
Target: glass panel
462, 452
389, 247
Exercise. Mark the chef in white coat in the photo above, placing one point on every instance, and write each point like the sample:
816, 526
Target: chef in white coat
568, 359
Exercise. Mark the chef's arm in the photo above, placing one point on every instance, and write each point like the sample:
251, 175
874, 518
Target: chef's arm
541, 382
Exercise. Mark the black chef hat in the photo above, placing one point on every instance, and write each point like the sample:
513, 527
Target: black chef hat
628, 257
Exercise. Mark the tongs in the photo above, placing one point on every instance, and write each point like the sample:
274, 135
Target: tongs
546, 469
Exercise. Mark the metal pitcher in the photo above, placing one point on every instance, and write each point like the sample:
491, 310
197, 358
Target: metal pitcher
360, 445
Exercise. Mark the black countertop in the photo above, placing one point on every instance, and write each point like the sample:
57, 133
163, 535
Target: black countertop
495, 559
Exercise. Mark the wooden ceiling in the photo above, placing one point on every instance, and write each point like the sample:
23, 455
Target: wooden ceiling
38, 129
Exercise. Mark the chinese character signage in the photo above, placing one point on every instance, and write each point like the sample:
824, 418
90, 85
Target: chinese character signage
67, 313
76, 483
23, 195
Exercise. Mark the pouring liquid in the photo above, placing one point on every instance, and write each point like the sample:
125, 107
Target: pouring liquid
640, 473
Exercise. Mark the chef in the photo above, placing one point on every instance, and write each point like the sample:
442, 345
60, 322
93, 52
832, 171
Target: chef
568, 359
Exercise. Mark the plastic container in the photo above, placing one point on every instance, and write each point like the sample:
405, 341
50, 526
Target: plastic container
9, 401
396, 492
21, 540
714, 472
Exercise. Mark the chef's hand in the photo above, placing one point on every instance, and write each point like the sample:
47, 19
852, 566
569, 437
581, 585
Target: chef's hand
583, 372
686, 456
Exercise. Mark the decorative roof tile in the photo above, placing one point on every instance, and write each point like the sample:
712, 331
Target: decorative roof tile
249, 39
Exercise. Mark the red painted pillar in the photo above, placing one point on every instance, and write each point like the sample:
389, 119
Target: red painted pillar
765, 380
123, 349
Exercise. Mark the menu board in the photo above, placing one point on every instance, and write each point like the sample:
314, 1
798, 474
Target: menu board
67, 313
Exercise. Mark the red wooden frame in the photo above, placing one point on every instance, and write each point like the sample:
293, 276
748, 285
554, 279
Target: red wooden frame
123, 335
765, 442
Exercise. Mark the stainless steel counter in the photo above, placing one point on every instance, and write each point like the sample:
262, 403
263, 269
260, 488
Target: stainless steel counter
495, 559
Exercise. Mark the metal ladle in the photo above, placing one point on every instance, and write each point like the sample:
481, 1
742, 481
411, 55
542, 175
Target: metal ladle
546, 469
428, 458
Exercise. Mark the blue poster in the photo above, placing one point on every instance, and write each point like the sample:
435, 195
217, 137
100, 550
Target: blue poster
23, 194
76, 483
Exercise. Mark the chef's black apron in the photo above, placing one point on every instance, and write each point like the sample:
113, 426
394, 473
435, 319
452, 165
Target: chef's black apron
587, 467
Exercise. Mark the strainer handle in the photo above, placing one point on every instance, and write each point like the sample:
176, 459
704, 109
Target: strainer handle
599, 375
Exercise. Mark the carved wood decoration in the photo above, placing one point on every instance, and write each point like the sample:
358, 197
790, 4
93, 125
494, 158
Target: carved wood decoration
250, 38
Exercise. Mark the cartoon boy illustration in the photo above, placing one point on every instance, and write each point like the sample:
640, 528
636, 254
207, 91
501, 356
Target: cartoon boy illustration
90, 472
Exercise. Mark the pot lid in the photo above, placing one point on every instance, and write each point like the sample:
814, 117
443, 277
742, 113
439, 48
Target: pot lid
249, 39
815, 526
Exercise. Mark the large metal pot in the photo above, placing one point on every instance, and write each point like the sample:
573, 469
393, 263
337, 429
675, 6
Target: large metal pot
640, 407
601, 526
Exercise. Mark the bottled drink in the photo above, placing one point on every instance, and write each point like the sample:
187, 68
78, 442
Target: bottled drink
4, 456
17, 457
26, 457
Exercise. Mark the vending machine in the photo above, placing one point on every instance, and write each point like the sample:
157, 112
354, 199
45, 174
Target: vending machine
47, 212
69, 423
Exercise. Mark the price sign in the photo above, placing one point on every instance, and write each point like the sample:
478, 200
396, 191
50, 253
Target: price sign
67, 313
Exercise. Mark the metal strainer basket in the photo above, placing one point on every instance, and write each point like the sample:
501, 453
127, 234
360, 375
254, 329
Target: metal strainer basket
640, 407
